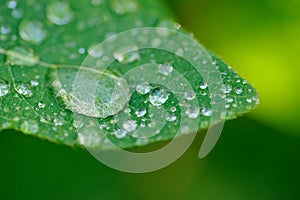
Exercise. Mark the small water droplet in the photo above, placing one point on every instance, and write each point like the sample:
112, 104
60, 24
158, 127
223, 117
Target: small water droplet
249, 100
140, 112
171, 117
143, 88
30, 127
12, 4
165, 69
226, 88
173, 109
123, 6
58, 121
192, 112
23, 89
229, 100
127, 58
190, 95
4, 88
129, 125
34, 83
206, 112
17, 13
203, 85
238, 90
119, 133
32, 31
5, 29
158, 97
81, 50
59, 12
41, 105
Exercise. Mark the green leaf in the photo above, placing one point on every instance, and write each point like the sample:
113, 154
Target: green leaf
43, 45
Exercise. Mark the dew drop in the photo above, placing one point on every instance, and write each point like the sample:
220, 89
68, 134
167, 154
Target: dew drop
4, 88
12, 4
171, 117
249, 100
129, 125
30, 127
143, 88
127, 58
173, 109
59, 12
123, 6
140, 112
5, 29
158, 97
206, 112
165, 69
239, 91
41, 105
23, 89
226, 88
119, 133
58, 121
17, 13
203, 85
32, 31
190, 95
34, 83
192, 112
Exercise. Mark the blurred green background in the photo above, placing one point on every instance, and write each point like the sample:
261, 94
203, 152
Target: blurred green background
257, 157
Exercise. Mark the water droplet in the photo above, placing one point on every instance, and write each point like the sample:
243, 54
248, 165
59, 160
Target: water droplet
192, 112
129, 125
143, 88
140, 112
59, 12
119, 133
81, 50
17, 13
171, 117
23, 89
158, 97
238, 90
206, 112
30, 127
226, 88
229, 100
58, 121
249, 100
4, 88
173, 109
34, 83
41, 105
165, 69
5, 29
190, 95
12, 4
124, 6
32, 31
203, 85
126, 58
95, 52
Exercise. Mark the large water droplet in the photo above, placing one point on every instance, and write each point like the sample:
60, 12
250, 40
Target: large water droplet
32, 31
30, 127
4, 88
23, 89
158, 97
59, 12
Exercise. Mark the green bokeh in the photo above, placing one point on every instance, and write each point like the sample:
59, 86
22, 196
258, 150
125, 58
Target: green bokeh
254, 159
